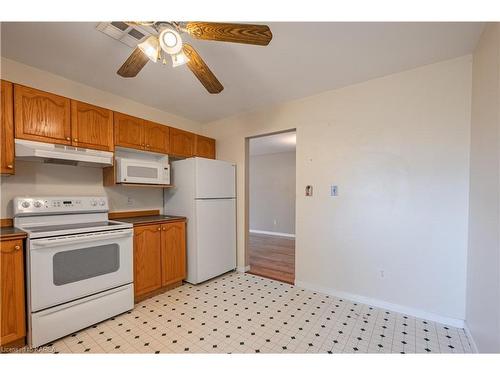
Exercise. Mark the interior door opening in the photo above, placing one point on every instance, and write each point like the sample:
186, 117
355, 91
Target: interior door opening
271, 170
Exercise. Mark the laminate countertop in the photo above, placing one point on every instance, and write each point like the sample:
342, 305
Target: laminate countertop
151, 219
12, 233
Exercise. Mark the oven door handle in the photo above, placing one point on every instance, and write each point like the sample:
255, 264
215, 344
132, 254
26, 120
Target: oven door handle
46, 242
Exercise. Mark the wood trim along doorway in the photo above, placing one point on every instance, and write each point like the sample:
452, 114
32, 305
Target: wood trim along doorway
268, 253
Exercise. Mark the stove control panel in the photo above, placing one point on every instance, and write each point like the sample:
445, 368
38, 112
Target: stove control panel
26, 206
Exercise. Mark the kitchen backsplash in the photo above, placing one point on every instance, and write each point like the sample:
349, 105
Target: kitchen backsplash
33, 178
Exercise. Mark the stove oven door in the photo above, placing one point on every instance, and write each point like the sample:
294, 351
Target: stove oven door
66, 268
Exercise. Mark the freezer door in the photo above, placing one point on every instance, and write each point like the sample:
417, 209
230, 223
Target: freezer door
215, 237
215, 179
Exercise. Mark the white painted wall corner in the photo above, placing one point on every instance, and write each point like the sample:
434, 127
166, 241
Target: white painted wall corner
243, 269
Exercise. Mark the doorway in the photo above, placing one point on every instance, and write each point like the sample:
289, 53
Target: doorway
271, 174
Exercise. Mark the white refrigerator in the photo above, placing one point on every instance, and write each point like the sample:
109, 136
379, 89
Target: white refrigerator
205, 192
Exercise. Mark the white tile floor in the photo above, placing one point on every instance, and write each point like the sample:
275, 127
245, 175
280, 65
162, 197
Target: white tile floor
242, 313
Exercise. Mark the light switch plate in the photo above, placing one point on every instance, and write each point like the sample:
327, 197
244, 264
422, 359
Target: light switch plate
334, 190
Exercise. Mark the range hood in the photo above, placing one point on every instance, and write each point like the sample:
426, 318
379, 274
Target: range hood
60, 154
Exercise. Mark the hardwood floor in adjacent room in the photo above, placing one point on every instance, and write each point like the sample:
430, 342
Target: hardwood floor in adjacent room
272, 257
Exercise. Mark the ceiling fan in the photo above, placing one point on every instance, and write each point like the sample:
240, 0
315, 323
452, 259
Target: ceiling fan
168, 42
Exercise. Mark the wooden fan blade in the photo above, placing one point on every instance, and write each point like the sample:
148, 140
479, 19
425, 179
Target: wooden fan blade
201, 70
230, 32
133, 65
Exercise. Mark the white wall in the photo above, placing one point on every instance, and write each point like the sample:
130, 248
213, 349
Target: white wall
35, 178
272, 192
483, 266
398, 148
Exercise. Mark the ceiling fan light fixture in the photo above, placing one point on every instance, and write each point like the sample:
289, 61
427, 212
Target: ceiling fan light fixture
170, 41
150, 48
179, 59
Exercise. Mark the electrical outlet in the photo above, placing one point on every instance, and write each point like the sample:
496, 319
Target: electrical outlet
382, 274
275, 222
130, 201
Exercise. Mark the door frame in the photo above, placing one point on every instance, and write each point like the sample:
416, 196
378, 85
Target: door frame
247, 191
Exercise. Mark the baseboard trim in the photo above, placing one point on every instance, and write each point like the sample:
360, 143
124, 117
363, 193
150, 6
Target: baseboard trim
243, 269
280, 234
454, 322
471, 338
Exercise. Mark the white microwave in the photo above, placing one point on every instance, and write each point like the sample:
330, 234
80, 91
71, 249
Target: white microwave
137, 171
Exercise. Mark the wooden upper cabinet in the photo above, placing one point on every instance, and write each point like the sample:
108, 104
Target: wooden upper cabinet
204, 147
173, 255
156, 137
36, 115
41, 116
147, 259
129, 131
181, 142
12, 306
91, 126
7, 128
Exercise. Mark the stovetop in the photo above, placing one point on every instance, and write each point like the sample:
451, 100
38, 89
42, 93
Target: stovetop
59, 229
77, 226
60, 216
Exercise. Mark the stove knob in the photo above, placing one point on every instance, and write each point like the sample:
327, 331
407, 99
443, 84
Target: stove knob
102, 202
37, 204
93, 203
25, 204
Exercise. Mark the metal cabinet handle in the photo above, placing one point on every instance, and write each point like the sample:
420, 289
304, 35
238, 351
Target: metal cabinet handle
164, 228
68, 138
17, 247
10, 166
159, 228
75, 139
147, 146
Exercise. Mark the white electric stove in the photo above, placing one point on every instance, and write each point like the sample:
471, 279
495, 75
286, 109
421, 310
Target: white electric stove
79, 264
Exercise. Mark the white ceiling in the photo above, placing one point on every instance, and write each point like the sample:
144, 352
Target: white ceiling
273, 144
302, 59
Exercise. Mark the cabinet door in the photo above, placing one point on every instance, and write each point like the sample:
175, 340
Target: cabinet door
147, 259
205, 147
41, 116
12, 286
181, 142
156, 137
91, 126
173, 252
7, 130
129, 131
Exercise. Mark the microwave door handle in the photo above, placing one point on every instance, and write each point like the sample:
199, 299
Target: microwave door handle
63, 241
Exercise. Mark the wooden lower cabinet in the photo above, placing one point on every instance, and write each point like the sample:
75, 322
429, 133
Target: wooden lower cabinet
147, 259
12, 305
173, 252
159, 257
